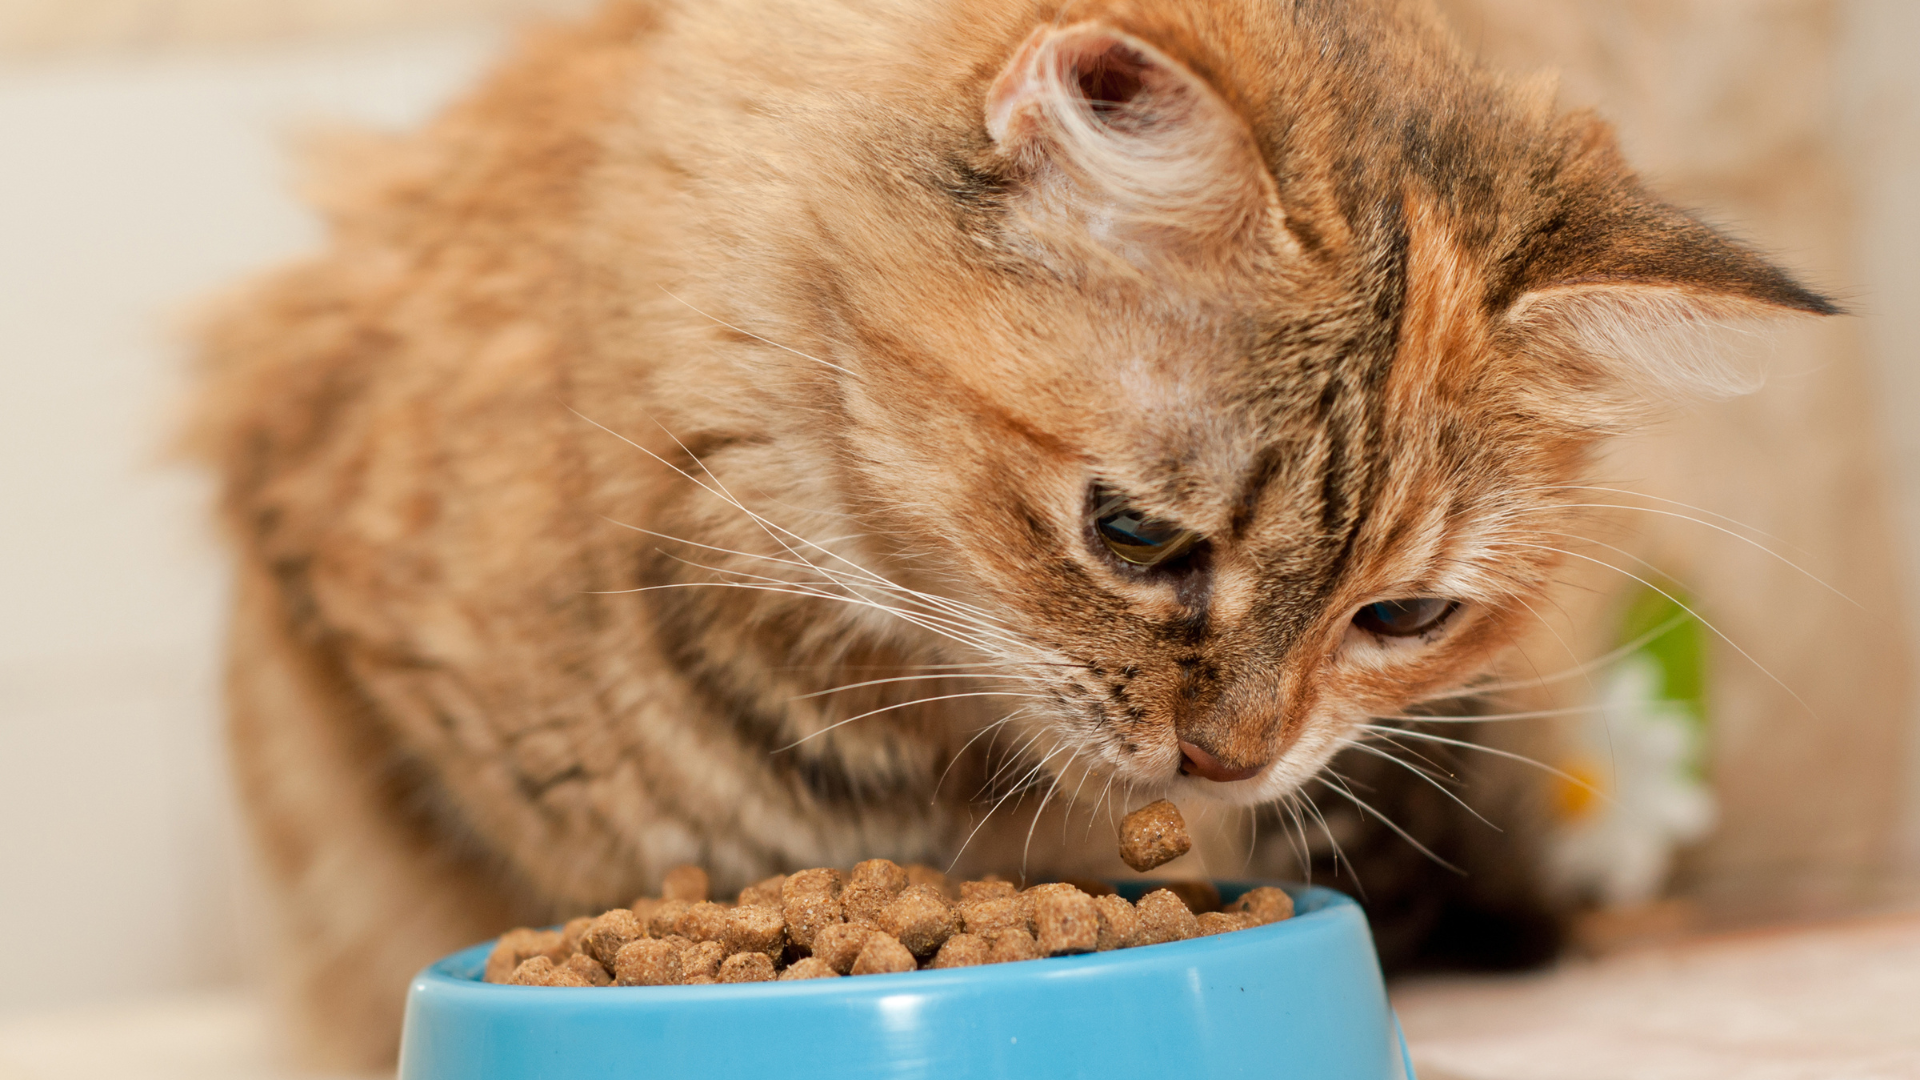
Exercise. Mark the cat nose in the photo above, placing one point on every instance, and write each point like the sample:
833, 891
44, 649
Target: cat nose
1203, 763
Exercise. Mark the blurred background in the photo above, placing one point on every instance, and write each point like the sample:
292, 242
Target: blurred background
147, 159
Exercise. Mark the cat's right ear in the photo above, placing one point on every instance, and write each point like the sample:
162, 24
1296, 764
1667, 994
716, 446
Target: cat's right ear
1110, 137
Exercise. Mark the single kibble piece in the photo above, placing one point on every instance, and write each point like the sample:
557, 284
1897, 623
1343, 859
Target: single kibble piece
1066, 922
664, 920
588, 968
986, 916
1152, 835
763, 893
747, 967
609, 934
1209, 923
649, 962
839, 945
870, 888
1006, 946
963, 950
1266, 903
516, 947
992, 889
811, 967
756, 928
542, 971
920, 918
705, 921
919, 874
1164, 917
571, 934
1199, 896
810, 901
700, 962
1119, 923
687, 883
882, 955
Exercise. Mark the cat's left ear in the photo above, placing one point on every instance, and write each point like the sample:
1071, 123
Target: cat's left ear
1638, 301
1110, 139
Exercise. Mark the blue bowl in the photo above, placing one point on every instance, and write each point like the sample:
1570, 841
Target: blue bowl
1295, 1000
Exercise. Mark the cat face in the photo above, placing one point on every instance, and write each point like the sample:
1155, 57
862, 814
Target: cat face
1253, 410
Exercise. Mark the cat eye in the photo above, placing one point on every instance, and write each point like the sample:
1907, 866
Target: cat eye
1135, 538
1404, 618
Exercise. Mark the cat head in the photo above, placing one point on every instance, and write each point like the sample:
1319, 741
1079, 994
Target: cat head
1235, 362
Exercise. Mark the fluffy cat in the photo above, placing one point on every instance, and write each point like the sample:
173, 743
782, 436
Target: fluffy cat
745, 431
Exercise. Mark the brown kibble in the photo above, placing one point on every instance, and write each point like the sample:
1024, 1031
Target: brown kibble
963, 950
609, 933
871, 887
1224, 922
1093, 886
571, 933
587, 968
1153, 835
756, 928
664, 920
919, 874
747, 967
763, 893
700, 962
644, 908
839, 945
649, 962
685, 882
516, 947
987, 916
882, 955
810, 901
811, 967
992, 889
1164, 917
705, 921
920, 918
1006, 946
1199, 896
1266, 903
542, 971
1119, 923
1067, 921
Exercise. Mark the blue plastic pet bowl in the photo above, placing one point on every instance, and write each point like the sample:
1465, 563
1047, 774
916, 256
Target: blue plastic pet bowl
1296, 1000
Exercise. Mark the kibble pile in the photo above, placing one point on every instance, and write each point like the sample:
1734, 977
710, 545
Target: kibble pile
881, 918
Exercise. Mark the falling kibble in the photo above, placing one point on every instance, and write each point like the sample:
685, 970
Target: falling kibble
1153, 835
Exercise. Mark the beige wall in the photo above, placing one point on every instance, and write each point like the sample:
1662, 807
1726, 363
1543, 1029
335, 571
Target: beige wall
1742, 108
37, 28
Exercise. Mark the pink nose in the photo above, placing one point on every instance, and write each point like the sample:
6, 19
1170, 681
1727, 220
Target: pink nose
1203, 764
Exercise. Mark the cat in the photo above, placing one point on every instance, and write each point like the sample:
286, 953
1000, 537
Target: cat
775, 433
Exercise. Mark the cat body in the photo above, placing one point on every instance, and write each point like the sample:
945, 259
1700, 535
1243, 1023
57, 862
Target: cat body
707, 443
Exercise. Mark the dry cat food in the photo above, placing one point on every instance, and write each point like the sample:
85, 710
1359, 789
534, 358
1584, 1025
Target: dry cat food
881, 918
1152, 835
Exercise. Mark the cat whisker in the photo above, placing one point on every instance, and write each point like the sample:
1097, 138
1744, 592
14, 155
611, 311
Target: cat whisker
1613, 656
1424, 775
902, 705
757, 337
1496, 752
1042, 809
1808, 574
1764, 670
1017, 789
914, 678
1533, 714
963, 749
1340, 788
